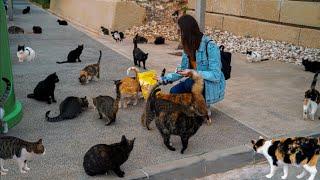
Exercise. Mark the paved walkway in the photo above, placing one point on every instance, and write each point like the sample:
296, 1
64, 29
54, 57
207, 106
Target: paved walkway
66, 142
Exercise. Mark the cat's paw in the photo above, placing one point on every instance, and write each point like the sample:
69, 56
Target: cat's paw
269, 176
3, 173
300, 176
23, 171
284, 177
26, 168
4, 170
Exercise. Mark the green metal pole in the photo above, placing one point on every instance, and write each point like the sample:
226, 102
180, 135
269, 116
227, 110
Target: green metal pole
13, 108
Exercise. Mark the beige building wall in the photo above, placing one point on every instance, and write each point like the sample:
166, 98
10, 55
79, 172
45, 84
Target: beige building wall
296, 22
112, 14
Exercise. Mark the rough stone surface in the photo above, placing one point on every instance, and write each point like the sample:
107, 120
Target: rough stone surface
261, 9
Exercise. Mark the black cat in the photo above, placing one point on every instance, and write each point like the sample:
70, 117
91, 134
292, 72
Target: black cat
311, 66
140, 39
159, 40
104, 30
74, 55
102, 157
139, 55
37, 29
44, 90
62, 22
70, 108
26, 10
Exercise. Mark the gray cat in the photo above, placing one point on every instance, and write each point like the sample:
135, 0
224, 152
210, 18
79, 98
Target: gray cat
108, 106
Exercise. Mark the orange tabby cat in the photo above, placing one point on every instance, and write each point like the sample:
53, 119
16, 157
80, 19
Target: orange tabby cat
129, 89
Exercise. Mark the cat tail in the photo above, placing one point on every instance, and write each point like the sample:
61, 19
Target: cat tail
314, 82
6, 93
61, 62
99, 57
135, 70
197, 89
54, 119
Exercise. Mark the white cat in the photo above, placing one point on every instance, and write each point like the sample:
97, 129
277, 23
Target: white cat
25, 53
253, 56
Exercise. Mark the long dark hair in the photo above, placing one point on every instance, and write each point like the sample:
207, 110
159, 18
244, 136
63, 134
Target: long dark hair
190, 35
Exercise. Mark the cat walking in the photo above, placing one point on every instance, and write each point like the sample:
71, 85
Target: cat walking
25, 53
90, 71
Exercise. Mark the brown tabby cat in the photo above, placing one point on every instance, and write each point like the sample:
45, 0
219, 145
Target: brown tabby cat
130, 89
20, 150
90, 71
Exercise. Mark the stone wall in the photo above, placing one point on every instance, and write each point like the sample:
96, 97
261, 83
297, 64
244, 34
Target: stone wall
297, 22
112, 14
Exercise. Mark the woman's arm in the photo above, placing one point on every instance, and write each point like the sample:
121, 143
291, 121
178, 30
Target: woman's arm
213, 73
175, 76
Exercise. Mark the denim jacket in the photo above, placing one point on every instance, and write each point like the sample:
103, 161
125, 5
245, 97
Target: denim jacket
209, 68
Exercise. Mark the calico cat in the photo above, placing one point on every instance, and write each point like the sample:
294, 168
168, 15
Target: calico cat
69, 108
130, 89
159, 40
104, 30
26, 10
102, 158
15, 30
44, 90
25, 53
140, 39
90, 71
312, 66
37, 29
3, 100
108, 106
62, 22
298, 151
74, 55
20, 150
139, 55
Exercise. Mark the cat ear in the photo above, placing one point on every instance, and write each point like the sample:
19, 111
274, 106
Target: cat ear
260, 137
253, 142
123, 138
40, 141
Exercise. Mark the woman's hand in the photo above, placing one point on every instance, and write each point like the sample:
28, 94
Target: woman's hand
185, 73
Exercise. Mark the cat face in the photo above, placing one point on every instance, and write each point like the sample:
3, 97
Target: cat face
257, 145
128, 143
82, 79
80, 47
20, 48
84, 102
53, 77
38, 147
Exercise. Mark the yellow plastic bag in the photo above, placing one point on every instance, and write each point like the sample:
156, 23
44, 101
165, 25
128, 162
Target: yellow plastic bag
147, 81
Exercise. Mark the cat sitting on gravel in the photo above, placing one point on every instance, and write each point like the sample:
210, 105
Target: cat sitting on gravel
74, 55
19, 150
25, 53
101, 158
298, 151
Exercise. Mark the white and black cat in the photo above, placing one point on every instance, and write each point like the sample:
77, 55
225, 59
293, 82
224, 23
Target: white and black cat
3, 100
62, 22
312, 66
139, 56
118, 36
25, 53
74, 55
70, 108
19, 150
44, 90
102, 158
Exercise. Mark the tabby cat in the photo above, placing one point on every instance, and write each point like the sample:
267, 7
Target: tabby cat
102, 158
20, 150
74, 55
15, 30
129, 89
70, 108
90, 71
108, 106
3, 100
297, 151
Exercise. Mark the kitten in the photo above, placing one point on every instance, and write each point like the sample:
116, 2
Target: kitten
130, 89
104, 30
26, 10
102, 158
159, 40
15, 30
44, 91
312, 66
139, 55
62, 22
25, 53
3, 100
108, 106
69, 108
140, 39
118, 36
253, 56
90, 71
298, 151
19, 150
311, 100
74, 55
37, 29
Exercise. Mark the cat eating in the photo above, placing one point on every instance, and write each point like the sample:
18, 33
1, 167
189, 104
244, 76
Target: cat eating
25, 53
74, 55
130, 88
19, 150
139, 56
69, 108
3, 100
90, 71
101, 158
44, 91
107, 106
